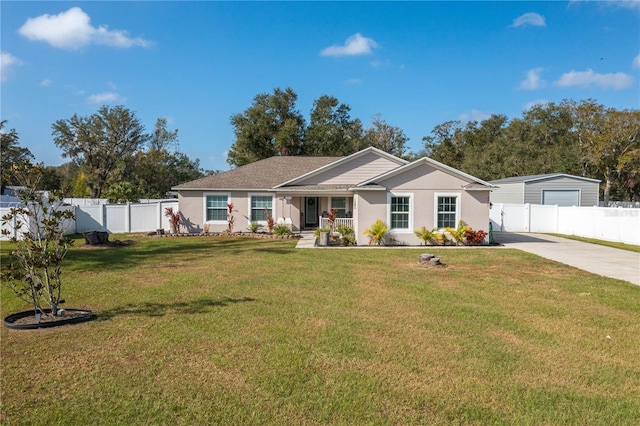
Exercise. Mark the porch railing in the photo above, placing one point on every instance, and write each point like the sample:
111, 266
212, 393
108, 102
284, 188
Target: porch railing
340, 221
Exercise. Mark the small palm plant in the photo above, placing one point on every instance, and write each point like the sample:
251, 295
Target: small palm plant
377, 232
457, 235
428, 236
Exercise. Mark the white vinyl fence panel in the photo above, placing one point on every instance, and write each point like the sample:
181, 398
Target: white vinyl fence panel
603, 223
113, 218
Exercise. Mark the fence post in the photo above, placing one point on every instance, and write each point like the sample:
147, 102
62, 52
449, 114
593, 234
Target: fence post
527, 213
127, 217
104, 217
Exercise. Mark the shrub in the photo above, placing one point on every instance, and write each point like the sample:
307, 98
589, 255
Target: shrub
377, 232
254, 227
230, 219
270, 221
174, 219
429, 236
318, 231
347, 235
474, 238
457, 235
331, 219
281, 229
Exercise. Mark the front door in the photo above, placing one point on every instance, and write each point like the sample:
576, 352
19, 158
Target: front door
310, 212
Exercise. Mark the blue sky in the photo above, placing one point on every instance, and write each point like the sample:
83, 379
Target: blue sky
417, 64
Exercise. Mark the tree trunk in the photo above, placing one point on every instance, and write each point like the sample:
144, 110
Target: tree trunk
607, 187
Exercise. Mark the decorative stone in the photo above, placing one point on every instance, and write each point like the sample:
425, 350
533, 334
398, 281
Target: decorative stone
425, 257
435, 261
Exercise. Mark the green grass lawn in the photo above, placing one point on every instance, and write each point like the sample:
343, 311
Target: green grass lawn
240, 331
622, 246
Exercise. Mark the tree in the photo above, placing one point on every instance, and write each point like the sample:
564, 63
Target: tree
34, 272
122, 192
155, 170
100, 142
270, 126
385, 137
446, 144
331, 130
609, 141
10, 153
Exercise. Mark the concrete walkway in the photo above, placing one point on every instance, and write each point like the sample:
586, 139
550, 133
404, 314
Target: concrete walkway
601, 260
307, 240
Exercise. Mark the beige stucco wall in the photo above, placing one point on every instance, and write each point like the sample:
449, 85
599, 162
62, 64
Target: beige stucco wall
423, 184
192, 208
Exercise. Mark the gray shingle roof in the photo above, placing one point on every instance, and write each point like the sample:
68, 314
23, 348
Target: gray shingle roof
519, 179
262, 174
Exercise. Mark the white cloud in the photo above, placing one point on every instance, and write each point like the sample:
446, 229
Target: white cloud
622, 4
72, 30
7, 63
529, 19
590, 78
354, 81
474, 115
105, 98
533, 80
46, 82
355, 45
636, 62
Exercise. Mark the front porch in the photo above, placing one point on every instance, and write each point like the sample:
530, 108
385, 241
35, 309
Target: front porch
340, 221
308, 212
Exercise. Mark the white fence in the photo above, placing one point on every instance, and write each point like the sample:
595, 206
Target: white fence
603, 223
114, 218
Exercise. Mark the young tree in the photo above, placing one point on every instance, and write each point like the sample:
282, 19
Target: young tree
331, 130
10, 153
100, 142
270, 126
34, 272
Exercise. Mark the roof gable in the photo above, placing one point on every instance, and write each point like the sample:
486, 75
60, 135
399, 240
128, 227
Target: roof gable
350, 170
472, 183
534, 178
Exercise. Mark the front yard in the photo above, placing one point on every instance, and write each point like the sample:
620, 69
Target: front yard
234, 331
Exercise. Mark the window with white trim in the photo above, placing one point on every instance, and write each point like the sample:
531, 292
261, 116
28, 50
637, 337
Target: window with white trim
216, 208
400, 211
340, 204
261, 206
446, 210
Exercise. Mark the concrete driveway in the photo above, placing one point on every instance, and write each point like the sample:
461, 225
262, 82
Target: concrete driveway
600, 260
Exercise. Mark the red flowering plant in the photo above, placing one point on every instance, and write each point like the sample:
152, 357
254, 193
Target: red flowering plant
474, 238
270, 221
230, 218
174, 219
331, 219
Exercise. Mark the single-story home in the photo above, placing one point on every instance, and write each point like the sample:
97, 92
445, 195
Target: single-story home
551, 189
363, 187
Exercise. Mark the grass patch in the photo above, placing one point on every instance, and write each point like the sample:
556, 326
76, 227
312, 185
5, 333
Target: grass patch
235, 331
621, 246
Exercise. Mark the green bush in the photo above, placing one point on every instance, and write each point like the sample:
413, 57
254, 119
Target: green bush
281, 229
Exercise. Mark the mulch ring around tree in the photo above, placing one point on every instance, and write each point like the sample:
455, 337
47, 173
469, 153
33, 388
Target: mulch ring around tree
27, 320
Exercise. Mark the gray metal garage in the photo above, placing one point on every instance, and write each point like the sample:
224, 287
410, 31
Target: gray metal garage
551, 189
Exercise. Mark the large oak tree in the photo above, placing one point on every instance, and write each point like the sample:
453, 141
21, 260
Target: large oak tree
99, 142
